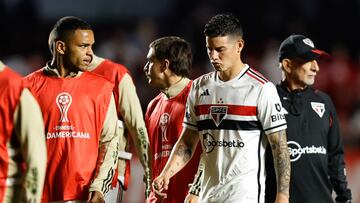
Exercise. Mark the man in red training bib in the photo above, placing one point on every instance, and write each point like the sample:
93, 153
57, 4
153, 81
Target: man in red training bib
79, 115
22, 142
169, 62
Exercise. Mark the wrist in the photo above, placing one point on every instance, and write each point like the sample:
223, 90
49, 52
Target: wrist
96, 191
282, 196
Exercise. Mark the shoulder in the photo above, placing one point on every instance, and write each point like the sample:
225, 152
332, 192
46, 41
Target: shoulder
256, 78
97, 80
10, 75
11, 79
259, 82
203, 80
35, 74
322, 96
111, 70
188, 87
33, 78
92, 75
117, 66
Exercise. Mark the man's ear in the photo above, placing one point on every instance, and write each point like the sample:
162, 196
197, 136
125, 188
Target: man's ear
60, 47
287, 65
165, 65
240, 45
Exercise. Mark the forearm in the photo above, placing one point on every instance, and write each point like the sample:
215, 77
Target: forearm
182, 152
142, 146
108, 162
180, 156
278, 143
132, 114
30, 132
108, 152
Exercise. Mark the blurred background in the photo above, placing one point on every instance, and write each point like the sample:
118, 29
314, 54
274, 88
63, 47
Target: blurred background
124, 28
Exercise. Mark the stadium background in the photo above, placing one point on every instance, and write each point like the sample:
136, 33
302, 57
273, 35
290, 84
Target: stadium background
124, 28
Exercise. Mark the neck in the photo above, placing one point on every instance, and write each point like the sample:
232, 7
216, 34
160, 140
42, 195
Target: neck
176, 88
171, 81
231, 72
291, 86
58, 63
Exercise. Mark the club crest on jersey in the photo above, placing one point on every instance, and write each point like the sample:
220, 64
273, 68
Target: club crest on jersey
218, 113
63, 100
319, 108
164, 122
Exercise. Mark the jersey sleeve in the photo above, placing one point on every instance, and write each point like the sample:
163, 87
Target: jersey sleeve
131, 111
29, 128
108, 149
190, 114
271, 114
336, 163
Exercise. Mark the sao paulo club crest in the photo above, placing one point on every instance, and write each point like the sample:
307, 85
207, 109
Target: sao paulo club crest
218, 113
319, 108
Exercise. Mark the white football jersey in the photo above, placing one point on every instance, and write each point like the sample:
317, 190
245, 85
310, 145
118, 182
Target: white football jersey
233, 119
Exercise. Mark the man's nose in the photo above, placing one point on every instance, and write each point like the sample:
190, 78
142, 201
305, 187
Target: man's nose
89, 51
213, 55
315, 66
146, 67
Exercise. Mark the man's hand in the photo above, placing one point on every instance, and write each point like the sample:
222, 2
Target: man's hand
160, 183
190, 198
95, 197
151, 198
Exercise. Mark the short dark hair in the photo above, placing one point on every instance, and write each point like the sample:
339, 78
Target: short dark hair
222, 25
177, 51
64, 26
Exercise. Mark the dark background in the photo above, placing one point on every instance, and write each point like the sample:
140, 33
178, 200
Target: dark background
124, 28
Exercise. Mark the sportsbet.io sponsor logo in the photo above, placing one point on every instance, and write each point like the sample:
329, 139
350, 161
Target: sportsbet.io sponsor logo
295, 150
210, 143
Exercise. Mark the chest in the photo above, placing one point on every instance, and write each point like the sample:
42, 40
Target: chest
65, 99
308, 121
167, 112
240, 94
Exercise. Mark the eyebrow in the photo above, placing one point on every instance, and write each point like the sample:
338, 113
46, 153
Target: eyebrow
219, 47
83, 43
151, 57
